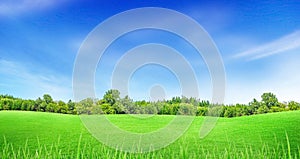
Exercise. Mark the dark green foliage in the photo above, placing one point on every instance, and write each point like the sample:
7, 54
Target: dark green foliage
85, 106
38, 103
294, 105
111, 96
175, 100
107, 108
254, 105
229, 111
7, 103
48, 99
71, 107
186, 109
201, 111
204, 103
216, 110
46, 104
17, 104
269, 100
112, 103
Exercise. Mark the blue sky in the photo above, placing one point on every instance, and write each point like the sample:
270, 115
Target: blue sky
258, 41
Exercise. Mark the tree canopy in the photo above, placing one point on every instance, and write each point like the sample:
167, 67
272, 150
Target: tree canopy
112, 103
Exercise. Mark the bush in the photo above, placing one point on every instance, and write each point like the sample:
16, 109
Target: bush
186, 109
201, 111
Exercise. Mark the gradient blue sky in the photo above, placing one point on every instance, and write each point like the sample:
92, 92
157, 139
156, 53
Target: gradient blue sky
259, 43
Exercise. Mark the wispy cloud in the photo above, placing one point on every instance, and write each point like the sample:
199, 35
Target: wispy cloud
280, 77
281, 45
8, 7
18, 78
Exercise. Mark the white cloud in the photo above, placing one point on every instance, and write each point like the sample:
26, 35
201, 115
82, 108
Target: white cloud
281, 45
285, 80
281, 78
13, 7
235, 92
219, 16
19, 80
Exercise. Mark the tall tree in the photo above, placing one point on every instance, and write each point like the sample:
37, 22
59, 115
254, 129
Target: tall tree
37, 104
254, 105
269, 100
71, 107
111, 96
47, 98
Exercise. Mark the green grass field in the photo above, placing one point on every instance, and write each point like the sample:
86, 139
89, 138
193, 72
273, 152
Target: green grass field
49, 135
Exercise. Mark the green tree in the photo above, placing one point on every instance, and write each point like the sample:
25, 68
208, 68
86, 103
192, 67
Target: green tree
201, 111
293, 105
7, 103
276, 109
37, 104
151, 108
111, 96
241, 110
43, 106
254, 105
50, 107
263, 109
186, 109
107, 108
128, 104
71, 107
62, 107
175, 100
31, 105
79, 108
96, 109
216, 110
1, 104
166, 108
204, 103
119, 108
229, 112
85, 106
173, 108
47, 98
269, 100
25, 105
17, 104
184, 99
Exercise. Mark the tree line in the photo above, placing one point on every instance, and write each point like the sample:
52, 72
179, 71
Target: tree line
45, 104
112, 103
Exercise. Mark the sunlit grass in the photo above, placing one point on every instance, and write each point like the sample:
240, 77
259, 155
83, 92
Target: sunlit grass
47, 135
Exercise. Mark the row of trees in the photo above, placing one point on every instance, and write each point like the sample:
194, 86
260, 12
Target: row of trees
45, 104
268, 104
112, 103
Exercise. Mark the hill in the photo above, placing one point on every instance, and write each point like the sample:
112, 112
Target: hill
31, 134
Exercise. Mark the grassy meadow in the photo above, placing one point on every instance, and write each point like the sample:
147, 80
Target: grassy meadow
50, 135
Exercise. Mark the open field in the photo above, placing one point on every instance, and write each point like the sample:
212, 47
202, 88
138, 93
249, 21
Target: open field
50, 135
